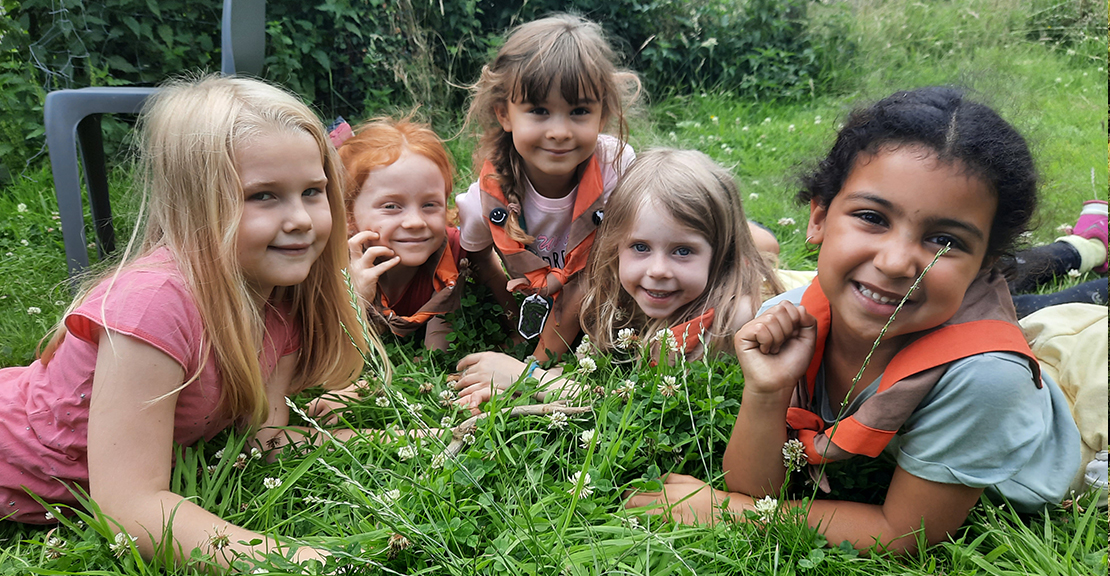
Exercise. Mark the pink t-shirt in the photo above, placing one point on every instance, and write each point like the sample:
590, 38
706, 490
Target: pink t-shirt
548, 219
44, 409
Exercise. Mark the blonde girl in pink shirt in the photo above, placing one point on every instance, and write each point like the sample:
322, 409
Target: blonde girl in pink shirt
231, 301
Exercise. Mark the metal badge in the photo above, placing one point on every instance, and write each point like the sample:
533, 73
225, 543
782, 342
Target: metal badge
533, 316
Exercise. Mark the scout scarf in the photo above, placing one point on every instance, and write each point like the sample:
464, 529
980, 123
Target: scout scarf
588, 205
445, 298
687, 336
985, 322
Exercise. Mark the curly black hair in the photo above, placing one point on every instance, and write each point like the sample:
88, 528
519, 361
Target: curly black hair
959, 131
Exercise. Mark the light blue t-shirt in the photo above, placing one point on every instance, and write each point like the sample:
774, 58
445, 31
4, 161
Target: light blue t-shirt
985, 425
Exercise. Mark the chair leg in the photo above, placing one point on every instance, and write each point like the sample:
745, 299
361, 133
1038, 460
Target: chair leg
96, 179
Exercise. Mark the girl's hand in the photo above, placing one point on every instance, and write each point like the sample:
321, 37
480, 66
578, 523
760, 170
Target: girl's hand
325, 408
364, 267
484, 374
775, 349
522, 285
684, 499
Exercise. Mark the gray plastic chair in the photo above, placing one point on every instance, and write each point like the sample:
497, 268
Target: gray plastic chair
72, 118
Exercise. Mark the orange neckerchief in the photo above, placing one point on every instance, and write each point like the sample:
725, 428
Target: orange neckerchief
985, 322
445, 275
521, 262
686, 335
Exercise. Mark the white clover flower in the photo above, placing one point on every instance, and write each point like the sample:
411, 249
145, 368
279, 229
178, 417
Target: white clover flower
21, 207
1059, 79
54, 548
121, 544
626, 337
418, 407
270, 482
587, 365
24, 242
587, 490
766, 508
633, 523
793, 455
445, 422
667, 339
753, 196
786, 221
211, 468
556, 420
1064, 228
758, 144
1073, 273
468, 438
767, 120
790, 128
624, 391
255, 453
438, 460
586, 437
382, 401
425, 388
817, 119
583, 348
391, 496
669, 386
406, 452
34, 310
714, 119
447, 397
744, 129
220, 454
240, 461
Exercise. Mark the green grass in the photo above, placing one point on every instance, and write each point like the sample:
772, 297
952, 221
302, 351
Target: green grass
506, 504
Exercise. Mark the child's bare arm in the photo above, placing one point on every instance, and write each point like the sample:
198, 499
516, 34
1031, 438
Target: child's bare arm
435, 334
774, 351
131, 427
911, 503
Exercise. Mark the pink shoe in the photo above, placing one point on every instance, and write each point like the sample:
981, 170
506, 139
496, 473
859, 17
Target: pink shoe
1092, 224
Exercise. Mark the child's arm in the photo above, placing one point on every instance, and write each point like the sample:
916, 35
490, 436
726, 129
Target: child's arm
774, 351
911, 503
130, 455
435, 334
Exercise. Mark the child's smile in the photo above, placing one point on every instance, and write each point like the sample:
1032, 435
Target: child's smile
663, 264
895, 211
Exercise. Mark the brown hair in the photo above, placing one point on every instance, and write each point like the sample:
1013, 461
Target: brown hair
561, 50
701, 195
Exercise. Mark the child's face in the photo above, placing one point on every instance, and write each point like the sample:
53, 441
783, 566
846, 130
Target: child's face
553, 137
663, 264
286, 217
895, 211
406, 204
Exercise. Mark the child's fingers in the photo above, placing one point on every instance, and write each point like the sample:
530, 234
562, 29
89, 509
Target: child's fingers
519, 285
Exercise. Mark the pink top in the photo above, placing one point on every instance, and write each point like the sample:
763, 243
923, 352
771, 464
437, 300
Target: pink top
44, 408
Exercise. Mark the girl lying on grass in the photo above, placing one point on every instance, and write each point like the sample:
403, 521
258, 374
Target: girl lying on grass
674, 253
951, 390
233, 301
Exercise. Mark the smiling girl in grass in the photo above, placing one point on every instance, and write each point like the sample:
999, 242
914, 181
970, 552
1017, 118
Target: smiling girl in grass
232, 302
952, 390
674, 256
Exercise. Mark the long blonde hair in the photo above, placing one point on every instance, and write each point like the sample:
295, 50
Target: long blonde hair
193, 200
701, 195
563, 50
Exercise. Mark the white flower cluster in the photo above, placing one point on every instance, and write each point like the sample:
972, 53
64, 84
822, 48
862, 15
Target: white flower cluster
587, 490
122, 544
468, 438
586, 437
667, 339
55, 547
786, 221
439, 460
382, 401
587, 366
793, 455
584, 347
447, 397
270, 482
407, 452
626, 339
624, 391
390, 496
556, 420
766, 507
255, 453
669, 387
446, 422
